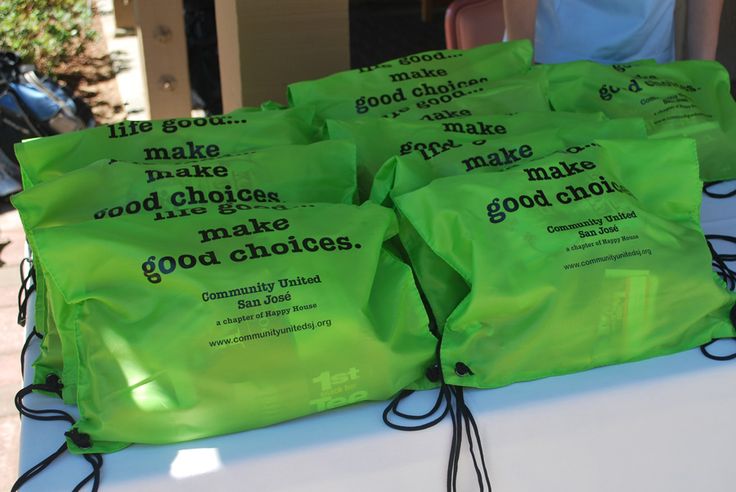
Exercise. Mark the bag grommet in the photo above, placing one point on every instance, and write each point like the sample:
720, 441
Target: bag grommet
53, 382
462, 370
433, 373
80, 439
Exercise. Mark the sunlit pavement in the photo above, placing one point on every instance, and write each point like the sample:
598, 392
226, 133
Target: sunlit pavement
11, 342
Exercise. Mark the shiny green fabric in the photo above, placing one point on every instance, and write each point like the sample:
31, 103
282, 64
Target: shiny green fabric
423, 81
573, 261
685, 98
261, 326
167, 142
442, 285
378, 139
323, 171
526, 92
164, 141
526, 136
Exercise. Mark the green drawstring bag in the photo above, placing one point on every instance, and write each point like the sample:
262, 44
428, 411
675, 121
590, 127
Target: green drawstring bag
527, 92
573, 261
422, 81
216, 323
164, 141
323, 171
443, 286
169, 141
686, 98
378, 139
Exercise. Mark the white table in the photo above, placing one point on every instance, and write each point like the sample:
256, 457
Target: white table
665, 424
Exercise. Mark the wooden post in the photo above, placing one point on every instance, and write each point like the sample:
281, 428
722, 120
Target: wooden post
163, 47
124, 14
264, 45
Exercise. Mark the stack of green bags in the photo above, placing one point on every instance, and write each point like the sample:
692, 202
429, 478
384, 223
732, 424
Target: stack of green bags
451, 218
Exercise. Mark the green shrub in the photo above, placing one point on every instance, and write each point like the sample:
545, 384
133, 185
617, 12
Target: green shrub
45, 32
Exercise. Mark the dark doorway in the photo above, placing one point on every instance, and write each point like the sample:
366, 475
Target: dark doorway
381, 30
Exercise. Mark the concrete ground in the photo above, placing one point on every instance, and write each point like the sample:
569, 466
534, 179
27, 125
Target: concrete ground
12, 336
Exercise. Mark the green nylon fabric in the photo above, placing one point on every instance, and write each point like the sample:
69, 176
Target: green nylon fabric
421, 81
174, 140
552, 132
527, 92
442, 285
310, 315
686, 98
169, 141
378, 139
323, 171
574, 261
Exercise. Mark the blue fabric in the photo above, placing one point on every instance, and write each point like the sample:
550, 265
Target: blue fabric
38, 102
604, 31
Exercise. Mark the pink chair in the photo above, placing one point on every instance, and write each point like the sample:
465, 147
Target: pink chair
470, 23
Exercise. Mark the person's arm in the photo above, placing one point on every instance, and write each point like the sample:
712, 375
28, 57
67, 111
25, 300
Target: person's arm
520, 16
701, 32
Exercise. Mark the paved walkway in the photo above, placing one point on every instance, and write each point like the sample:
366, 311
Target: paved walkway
12, 337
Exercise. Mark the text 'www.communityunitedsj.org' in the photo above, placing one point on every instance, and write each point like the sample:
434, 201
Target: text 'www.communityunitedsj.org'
608, 258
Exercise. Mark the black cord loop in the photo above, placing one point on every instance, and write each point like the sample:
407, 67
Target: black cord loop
23, 351
704, 350
450, 400
728, 239
27, 287
704, 347
53, 385
393, 408
713, 194
719, 259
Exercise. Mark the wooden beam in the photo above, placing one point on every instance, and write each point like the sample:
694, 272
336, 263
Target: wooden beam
264, 45
163, 46
124, 14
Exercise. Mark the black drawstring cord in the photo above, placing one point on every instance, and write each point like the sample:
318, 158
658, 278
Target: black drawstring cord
25, 291
454, 405
712, 194
704, 347
728, 239
462, 417
455, 448
471, 423
704, 350
37, 468
96, 461
393, 408
53, 385
719, 260
23, 351
729, 276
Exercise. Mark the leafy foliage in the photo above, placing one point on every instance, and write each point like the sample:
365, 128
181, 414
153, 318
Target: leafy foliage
45, 32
